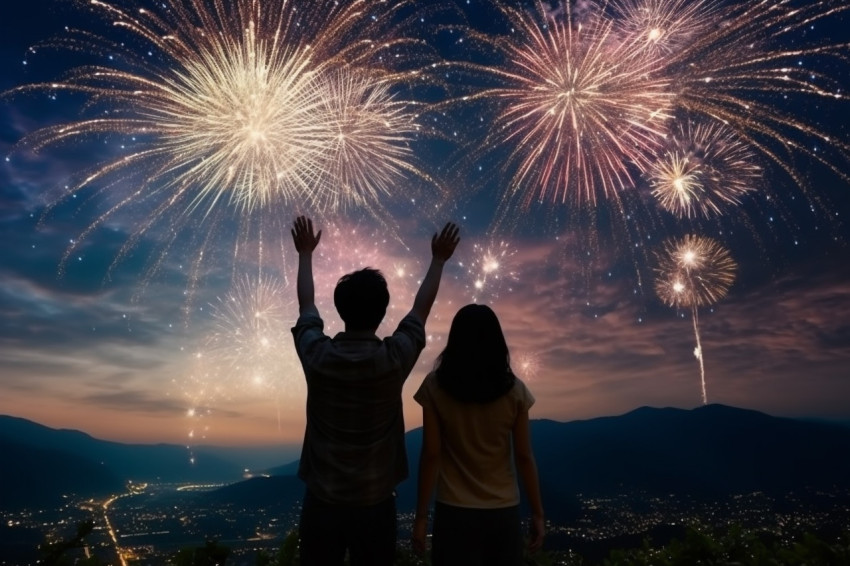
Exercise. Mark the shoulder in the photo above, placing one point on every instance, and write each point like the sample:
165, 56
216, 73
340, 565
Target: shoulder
309, 327
522, 394
412, 326
309, 316
425, 394
408, 340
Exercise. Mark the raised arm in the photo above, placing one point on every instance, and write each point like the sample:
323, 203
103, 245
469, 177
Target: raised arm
527, 468
305, 242
442, 247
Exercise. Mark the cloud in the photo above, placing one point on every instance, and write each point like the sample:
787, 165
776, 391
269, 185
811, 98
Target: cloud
607, 348
135, 401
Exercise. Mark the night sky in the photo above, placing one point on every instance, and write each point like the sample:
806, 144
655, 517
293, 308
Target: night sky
129, 354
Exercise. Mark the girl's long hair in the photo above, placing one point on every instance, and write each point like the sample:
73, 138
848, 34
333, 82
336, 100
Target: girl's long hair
475, 366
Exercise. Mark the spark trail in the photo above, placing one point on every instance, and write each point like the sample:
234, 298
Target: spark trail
692, 272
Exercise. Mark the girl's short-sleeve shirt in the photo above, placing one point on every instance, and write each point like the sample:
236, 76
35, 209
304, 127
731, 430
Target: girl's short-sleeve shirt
476, 462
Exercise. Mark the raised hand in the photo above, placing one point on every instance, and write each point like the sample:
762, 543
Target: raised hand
303, 236
444, 244
442, 247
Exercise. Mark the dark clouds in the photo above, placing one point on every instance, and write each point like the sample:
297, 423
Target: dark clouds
135, 401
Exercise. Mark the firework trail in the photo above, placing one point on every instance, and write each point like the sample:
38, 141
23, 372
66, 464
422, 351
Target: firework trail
231, 110
195, 391
692, 272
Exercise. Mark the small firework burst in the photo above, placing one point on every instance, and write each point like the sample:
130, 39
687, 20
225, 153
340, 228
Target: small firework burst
694, 271
250, 345
662, 26
705, 170
492, 268
526, 365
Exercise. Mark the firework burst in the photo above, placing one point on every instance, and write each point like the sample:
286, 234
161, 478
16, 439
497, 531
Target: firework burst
742, 71
698, 97
527, 365
693, 272
662, 27
705, 170
251, 327
491, 268
581, 109
248, 352
368, 151
236, 109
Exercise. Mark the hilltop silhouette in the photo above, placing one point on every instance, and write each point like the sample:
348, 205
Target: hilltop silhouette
708, 452
41, 464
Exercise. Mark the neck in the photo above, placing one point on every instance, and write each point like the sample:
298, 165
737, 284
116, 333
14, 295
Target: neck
361, 330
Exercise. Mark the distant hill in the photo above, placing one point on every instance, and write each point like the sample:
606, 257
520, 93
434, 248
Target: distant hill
40, 464
32, 476
711, 450
289, 469
708, 452
281, 491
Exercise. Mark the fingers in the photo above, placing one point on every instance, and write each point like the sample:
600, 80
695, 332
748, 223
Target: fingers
445, 231
450, 231
304, 225
448, 235
302, 234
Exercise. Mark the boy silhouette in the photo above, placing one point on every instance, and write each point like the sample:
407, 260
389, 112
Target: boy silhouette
353, 453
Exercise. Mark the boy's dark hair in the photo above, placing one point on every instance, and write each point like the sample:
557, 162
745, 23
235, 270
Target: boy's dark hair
475, 366
361, 299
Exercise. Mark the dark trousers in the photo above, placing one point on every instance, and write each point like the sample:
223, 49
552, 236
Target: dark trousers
328, 530
470, 537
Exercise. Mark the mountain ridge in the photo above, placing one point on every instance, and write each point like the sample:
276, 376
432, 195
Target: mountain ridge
49, 463
710, 451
